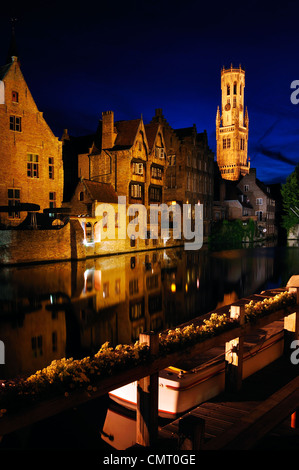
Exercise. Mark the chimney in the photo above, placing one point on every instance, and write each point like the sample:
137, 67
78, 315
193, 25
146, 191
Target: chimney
108, 134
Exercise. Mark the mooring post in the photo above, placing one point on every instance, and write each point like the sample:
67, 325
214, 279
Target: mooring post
234, 354
147, 398
291, 324
191, 433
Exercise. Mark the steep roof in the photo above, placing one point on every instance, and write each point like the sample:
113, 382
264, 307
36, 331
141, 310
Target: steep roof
126, 133
101, 192
151, 130
4, 69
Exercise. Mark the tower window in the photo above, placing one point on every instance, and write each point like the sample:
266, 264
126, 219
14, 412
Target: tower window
226, 143
234, 102
228, 90
235, 88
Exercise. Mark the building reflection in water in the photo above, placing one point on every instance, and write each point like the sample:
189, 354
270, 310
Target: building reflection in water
71, 309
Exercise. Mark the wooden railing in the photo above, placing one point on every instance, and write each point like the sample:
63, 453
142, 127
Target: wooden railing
146, 374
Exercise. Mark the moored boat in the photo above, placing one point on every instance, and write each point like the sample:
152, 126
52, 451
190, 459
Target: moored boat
182, 387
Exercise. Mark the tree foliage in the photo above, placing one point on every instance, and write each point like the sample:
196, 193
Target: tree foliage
290, 200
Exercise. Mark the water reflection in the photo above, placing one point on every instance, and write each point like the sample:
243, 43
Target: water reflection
71, 309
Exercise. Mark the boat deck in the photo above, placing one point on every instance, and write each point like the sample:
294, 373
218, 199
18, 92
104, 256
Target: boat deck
250, 341
226, 413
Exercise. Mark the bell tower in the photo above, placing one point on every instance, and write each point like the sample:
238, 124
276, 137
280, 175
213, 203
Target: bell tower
232, 126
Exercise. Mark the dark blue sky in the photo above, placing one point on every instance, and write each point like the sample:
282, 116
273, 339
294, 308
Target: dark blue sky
80, 59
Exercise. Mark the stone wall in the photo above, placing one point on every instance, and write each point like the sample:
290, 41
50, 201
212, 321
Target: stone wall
27, 246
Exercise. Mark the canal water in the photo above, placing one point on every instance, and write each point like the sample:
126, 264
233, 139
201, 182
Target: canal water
70, 309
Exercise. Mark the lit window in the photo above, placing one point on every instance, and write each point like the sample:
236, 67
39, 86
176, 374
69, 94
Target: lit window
156, 172
15, 123
32, 166
117, 286
13, 200
138, 168
51, 168
106, 290
136, 190
171, 160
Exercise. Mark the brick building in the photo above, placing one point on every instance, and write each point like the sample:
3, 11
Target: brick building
31, 156
190, 168
263, 202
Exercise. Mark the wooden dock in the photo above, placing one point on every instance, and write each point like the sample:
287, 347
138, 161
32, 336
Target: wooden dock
261, 414
212, 425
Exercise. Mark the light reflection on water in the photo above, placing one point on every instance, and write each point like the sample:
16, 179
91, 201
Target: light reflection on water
70, 309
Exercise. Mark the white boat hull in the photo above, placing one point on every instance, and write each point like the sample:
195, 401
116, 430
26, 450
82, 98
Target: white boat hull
179, 392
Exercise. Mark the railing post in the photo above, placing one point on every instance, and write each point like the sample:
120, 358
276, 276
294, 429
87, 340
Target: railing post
147, 398
234, 354
291, 324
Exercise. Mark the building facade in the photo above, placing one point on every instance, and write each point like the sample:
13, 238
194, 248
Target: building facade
31, 156
232, 126
189, 175
262, 201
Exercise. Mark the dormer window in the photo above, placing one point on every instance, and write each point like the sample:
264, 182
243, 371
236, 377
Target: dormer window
15, 96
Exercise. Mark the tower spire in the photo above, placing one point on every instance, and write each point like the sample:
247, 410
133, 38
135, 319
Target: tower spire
12, 50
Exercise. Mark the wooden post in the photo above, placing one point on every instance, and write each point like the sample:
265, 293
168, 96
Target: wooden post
234, 354
291, 325
147, 398
191, 433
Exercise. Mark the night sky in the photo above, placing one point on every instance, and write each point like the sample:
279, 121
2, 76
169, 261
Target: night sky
80, 59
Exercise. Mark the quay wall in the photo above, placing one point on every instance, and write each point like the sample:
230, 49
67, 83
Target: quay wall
65, 243
35, 245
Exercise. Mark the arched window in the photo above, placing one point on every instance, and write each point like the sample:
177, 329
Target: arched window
228, 89
235, 88
81, 196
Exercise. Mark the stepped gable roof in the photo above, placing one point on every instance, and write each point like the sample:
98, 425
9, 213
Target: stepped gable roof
151, 130
184, 132
126, 133
101, 192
